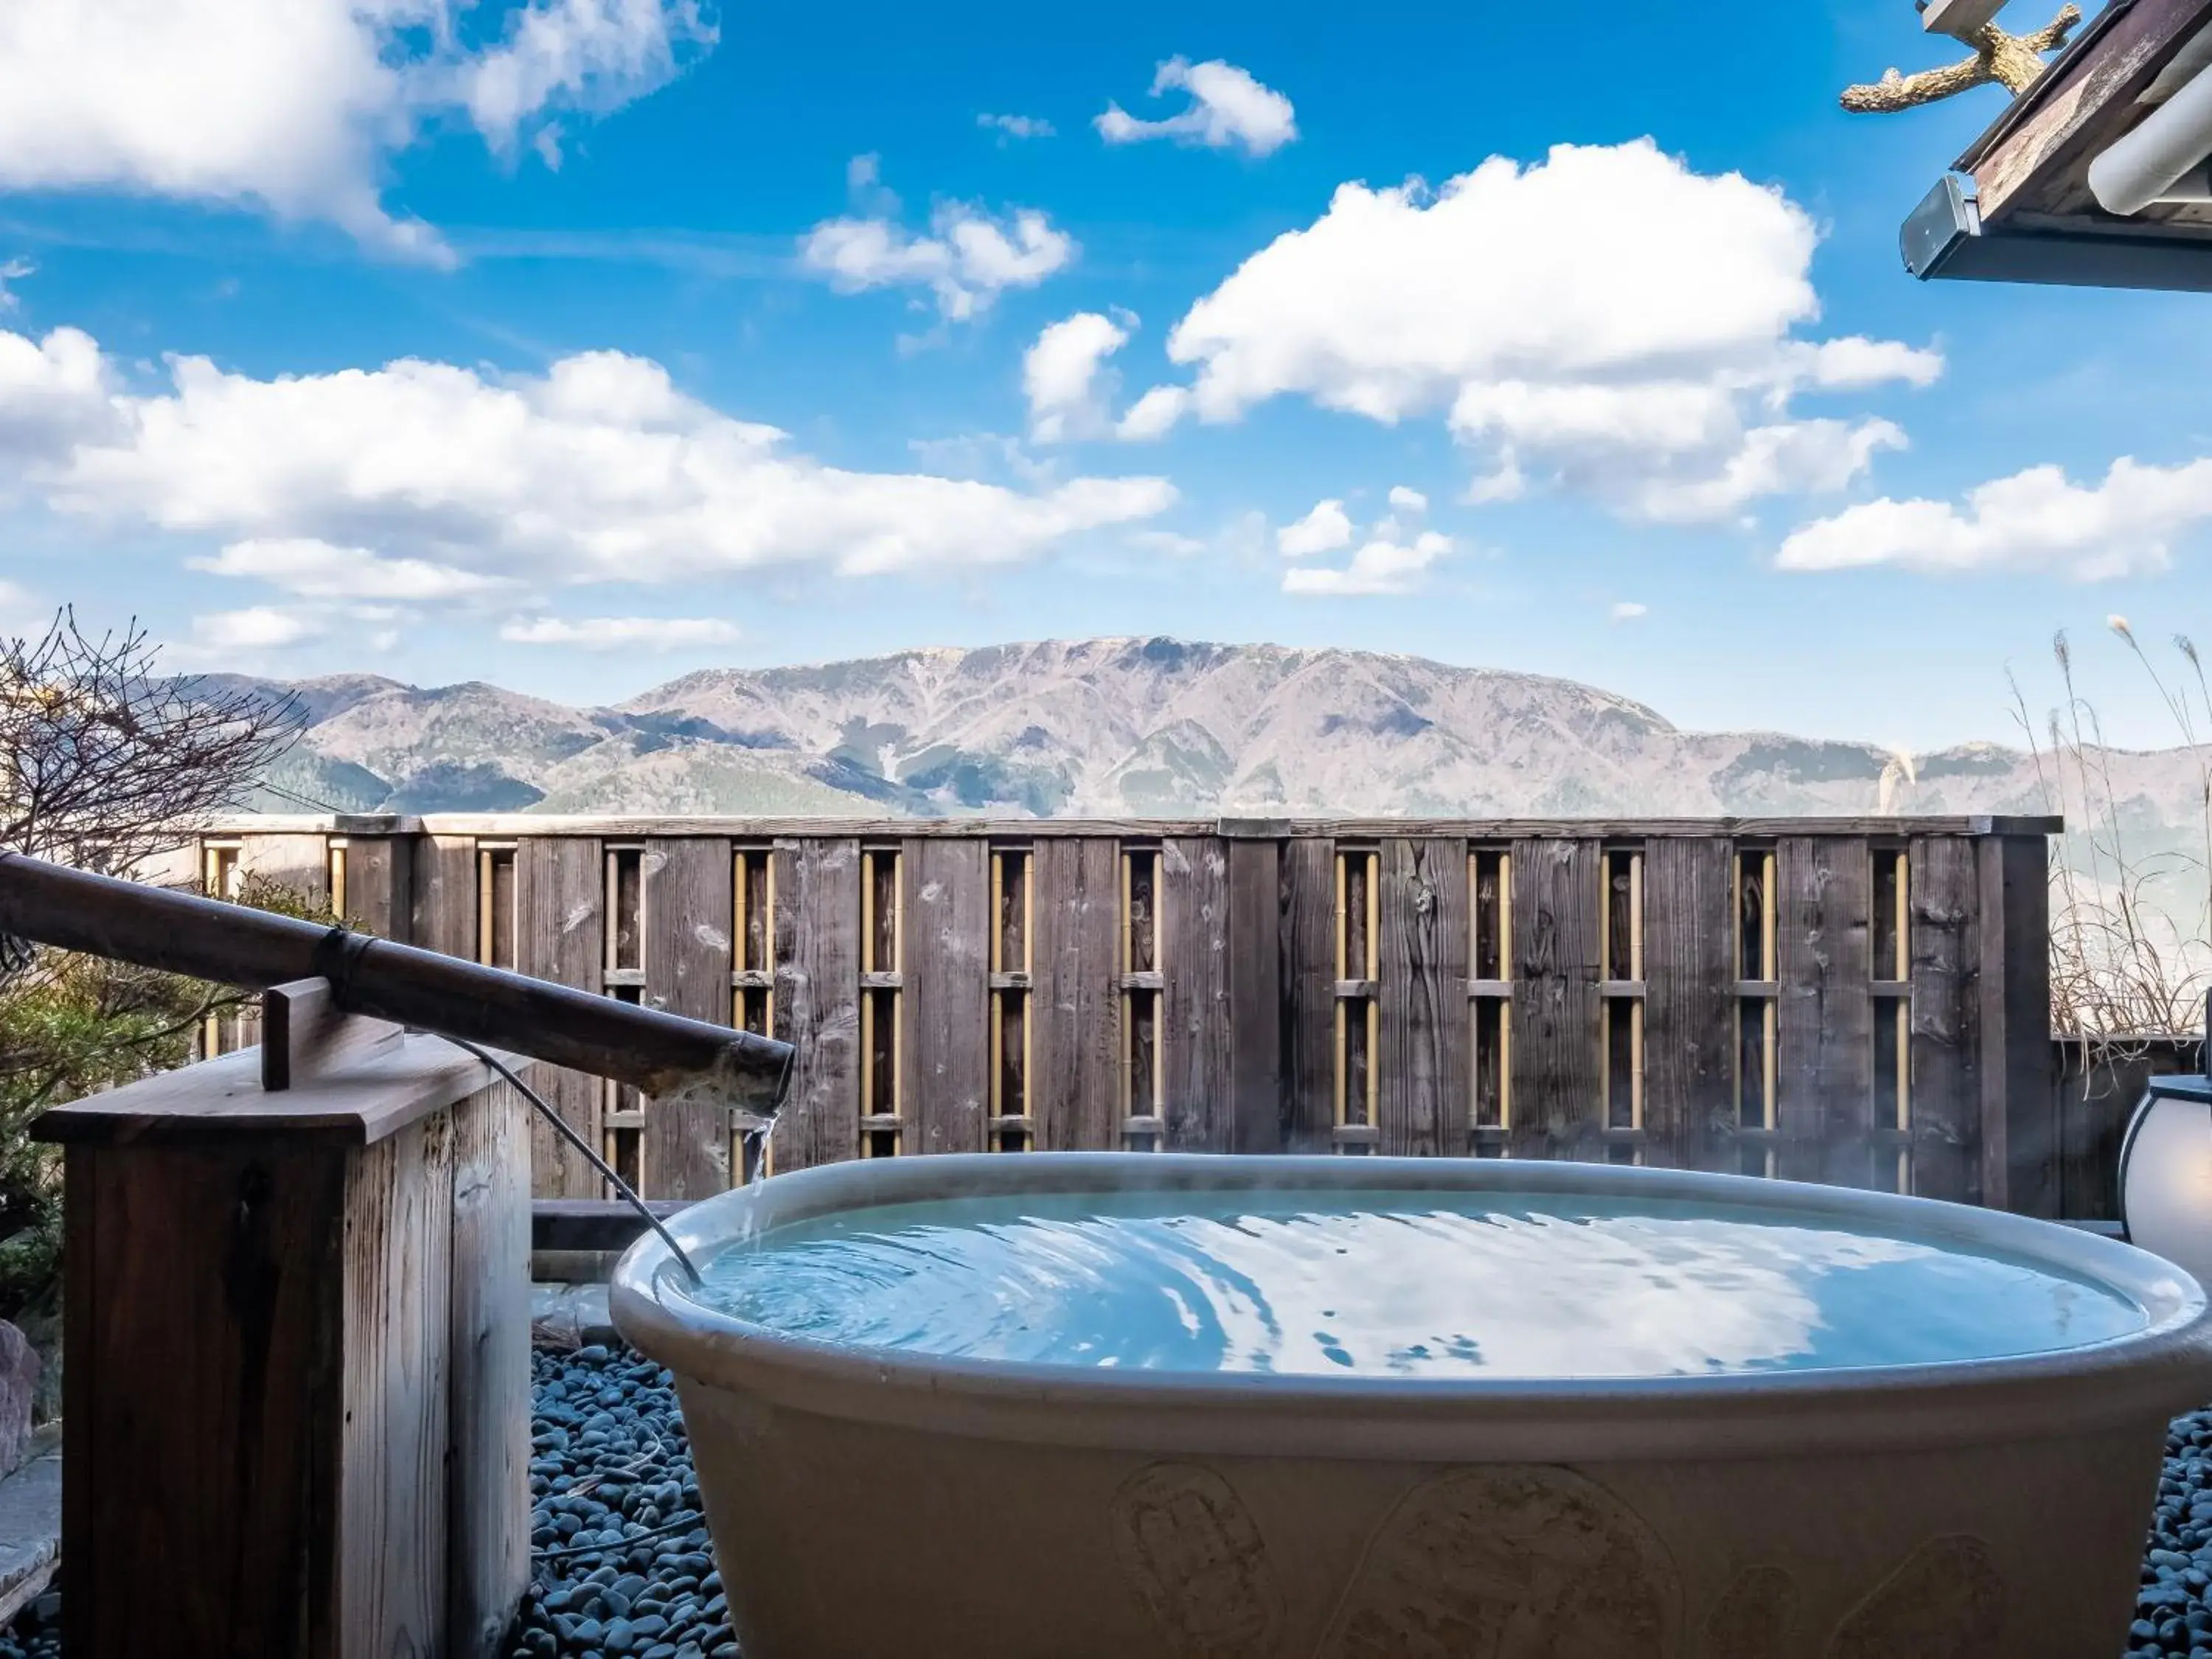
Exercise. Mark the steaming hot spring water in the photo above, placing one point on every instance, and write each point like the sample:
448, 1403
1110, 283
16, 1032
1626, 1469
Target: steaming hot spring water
1051, 1408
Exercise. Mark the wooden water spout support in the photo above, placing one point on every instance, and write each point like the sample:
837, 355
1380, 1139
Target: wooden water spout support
296, 1400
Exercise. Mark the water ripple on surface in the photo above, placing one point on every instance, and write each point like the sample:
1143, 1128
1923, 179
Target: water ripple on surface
1395, 1285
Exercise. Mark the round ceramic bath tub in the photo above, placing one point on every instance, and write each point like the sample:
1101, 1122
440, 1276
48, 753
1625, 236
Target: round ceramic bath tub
1105, 1406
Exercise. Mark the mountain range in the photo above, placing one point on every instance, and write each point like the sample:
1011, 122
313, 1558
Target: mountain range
1128, 727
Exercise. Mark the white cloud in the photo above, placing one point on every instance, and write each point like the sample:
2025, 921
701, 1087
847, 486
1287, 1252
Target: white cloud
588, 55
2039, 519
1607, 318
1016, 126
1409, 501
1060, 376
1630, 610
1227, 108
318, 570
54, 393
260, 628
1323, 530
622, 633
1154, 415
1379, 567
598, 469
968, 259
292, 105
14, 270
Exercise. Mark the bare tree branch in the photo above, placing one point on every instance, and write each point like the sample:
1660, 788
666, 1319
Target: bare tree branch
2013, 61
103, 761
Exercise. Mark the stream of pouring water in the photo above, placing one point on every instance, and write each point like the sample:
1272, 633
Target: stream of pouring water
753, 1152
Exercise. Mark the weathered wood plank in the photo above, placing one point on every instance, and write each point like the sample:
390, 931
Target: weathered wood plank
1258, 1121
1076, 1053
1556, 1112
689, 915
1946, 1106
2023, 1143
817, 999
1689, 972
392, 1522
301, 863
205, 1344
507, 825
1307, 918
2071, 117
305, 1036
1423, 1105
377, 1094
947, 1000
380, 886
488, 1492
1195, 948
561, 898
445, 894
1825, 1018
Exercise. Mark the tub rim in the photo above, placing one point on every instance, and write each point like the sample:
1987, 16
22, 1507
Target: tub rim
2157, 1372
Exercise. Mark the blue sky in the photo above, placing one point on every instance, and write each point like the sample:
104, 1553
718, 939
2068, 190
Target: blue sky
1661, 411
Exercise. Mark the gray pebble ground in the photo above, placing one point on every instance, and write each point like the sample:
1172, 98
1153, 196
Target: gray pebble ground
622, 1566
634, 1577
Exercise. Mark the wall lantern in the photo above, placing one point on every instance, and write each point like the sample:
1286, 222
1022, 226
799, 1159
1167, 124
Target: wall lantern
2165, 1174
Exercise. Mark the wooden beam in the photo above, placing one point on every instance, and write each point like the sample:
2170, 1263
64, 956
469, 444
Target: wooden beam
1423, 1108
1307, 936
690, 915
1689, 1014
2023, 1140
1076, 1012
561, 899
1825, 1017
1959, 18
2038, 157
304, 1035
1556, 1112
946, 956
509, 826
817, 999
1947, 1120
592, 1224
1258, 1121
1193, 918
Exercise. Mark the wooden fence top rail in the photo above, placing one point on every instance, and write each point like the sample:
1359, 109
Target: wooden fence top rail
514, 825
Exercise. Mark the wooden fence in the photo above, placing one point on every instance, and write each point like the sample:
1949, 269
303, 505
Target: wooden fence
1862, 1002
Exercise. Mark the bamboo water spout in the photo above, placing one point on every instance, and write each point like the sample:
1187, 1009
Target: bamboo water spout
666, 1055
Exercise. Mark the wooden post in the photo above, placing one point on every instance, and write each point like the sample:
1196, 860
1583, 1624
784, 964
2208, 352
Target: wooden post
1194, 922
1259, 1122
817, 998
1076, 1044
1689, 970
1556, 1109
690, 915
381, 885
297, 1406
1307, 944
2022, 1146
947, 971
1825, 1039
559, 894
1423, 1109
1958, 1145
